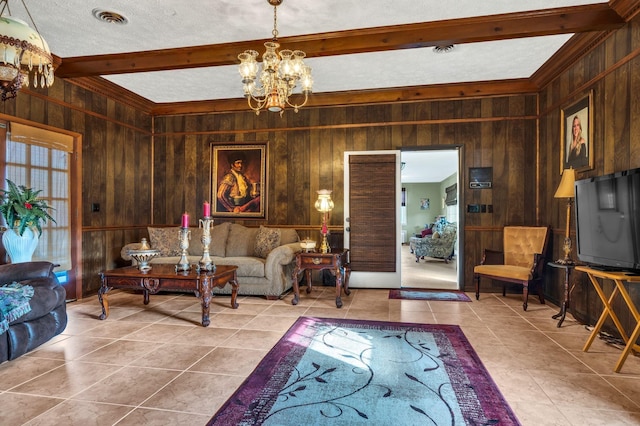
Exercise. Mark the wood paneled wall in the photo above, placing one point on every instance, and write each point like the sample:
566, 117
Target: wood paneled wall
612, 71
306, 153
116, 172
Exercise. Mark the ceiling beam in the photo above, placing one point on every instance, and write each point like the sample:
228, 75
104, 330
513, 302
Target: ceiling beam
594, 17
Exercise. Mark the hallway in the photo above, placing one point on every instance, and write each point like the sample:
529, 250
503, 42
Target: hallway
428, 273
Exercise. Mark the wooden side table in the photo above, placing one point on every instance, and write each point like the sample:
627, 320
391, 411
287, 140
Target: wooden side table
567, 290
618, 278
337, 261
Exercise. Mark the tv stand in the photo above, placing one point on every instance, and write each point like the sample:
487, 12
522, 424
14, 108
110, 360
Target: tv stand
606, 268
613, 269
619, 278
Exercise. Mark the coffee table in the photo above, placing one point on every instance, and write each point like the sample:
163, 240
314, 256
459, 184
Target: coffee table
165, 278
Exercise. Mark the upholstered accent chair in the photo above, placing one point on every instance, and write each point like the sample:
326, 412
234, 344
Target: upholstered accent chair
440, 244
522, 261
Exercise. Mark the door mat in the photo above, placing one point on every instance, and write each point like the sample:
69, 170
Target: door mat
428, 294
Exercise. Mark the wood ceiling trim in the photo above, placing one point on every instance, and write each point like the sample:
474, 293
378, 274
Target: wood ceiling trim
628, 9
338, 99
594, 17
113, 91
578, 46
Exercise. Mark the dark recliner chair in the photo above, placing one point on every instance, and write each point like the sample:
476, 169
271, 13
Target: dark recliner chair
48, 315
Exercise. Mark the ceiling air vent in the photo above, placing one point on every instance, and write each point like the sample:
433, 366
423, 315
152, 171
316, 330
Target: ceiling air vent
109, 17
445, 48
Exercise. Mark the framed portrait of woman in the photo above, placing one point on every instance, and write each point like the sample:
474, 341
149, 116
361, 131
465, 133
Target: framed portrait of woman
576, 135
238, 180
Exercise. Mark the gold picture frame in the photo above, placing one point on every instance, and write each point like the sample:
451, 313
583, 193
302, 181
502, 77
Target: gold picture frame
239, 180
578, 116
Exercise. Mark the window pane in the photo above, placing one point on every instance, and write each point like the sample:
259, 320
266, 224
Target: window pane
59, 160
39, 156
16, 174
40, 181
16, 153
59, 184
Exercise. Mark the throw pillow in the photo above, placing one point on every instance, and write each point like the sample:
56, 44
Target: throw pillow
241, 241
219, 235
435, 235
266, 240
166, 240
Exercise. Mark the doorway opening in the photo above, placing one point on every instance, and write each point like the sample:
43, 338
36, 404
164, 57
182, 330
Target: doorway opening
430, 218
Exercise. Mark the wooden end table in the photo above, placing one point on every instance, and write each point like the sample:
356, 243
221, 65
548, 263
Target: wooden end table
336, 261
568, 289
165, 278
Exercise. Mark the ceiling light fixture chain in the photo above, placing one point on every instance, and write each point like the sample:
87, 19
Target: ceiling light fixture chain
272, 86
275, 23
23, 53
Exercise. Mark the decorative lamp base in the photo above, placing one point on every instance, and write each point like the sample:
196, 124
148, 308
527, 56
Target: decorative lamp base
324, 246
566, 248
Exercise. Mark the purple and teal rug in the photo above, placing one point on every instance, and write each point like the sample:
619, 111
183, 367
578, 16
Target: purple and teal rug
425, 294
336, 371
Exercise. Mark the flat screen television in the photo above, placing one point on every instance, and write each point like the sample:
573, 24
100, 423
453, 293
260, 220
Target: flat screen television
608, 221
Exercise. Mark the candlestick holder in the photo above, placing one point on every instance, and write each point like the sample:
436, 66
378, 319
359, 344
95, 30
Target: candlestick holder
184, 235
205, 262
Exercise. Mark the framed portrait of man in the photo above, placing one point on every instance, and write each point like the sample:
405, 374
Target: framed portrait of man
576, 135
239, 180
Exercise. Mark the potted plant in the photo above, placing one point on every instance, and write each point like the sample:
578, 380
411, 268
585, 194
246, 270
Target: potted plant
24, 213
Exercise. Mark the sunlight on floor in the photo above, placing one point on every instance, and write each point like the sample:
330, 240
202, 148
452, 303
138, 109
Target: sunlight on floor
428, 273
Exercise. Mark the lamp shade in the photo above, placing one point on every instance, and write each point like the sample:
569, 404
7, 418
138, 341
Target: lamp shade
324, 203
566, 189
25, 56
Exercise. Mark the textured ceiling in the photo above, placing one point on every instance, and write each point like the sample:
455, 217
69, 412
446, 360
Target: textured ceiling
72, 31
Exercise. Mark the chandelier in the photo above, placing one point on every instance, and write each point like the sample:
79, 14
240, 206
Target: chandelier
24, 54
281, 72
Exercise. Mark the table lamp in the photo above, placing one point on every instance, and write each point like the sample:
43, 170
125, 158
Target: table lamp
324, 204
566, 189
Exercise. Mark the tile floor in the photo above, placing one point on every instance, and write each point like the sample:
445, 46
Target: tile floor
156, 365
428, 272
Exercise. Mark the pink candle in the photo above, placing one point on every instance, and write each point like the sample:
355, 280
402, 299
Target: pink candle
207, 209
185, 220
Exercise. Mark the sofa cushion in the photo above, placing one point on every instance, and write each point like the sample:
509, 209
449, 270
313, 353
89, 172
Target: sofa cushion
241, 241
427, 232
266, 240
247, 266
166, 240
219, 234
288, 235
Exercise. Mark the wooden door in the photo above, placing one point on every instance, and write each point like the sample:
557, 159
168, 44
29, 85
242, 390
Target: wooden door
372, 225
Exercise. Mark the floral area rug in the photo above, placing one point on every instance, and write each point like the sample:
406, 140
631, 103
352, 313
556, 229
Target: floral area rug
424, 294
14, 302
348, 372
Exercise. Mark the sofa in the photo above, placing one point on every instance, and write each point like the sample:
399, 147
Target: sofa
265, 256
439, 245
46, 315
